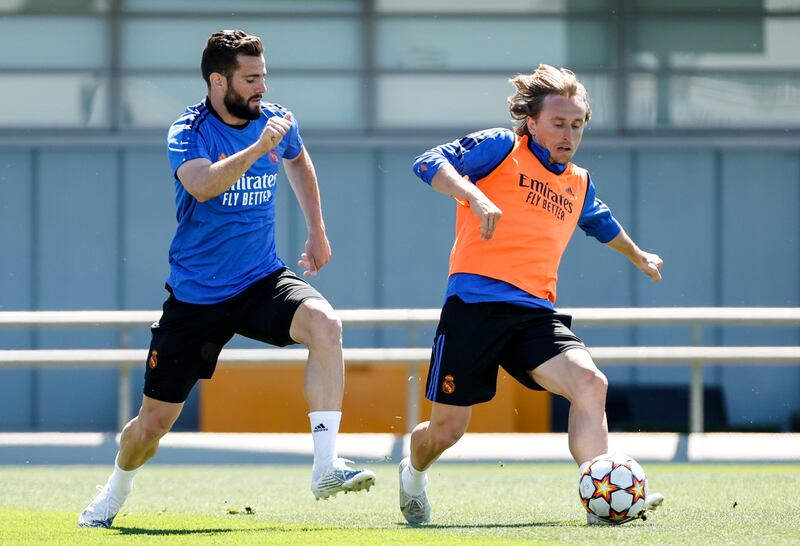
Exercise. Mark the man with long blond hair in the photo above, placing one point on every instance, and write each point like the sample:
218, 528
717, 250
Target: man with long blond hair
519, 199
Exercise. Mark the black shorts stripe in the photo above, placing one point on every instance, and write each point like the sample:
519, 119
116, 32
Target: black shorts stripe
438, 349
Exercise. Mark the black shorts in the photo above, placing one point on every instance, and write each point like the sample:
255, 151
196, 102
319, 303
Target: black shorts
474, 339
189, 337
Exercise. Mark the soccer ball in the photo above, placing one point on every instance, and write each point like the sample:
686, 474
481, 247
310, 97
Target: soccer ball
613, 488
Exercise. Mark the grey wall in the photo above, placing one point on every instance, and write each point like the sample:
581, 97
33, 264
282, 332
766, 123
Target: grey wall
90, 230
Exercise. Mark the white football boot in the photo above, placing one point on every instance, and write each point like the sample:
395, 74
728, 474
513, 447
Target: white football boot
341, 477
102, 510
651, 503
415, 508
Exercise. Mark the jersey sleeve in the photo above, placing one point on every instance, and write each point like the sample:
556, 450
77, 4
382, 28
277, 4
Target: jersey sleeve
184, 143
596, 218
474, 156
294, 141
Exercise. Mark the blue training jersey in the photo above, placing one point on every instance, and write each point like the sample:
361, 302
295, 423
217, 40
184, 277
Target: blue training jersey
225, 244
475, 156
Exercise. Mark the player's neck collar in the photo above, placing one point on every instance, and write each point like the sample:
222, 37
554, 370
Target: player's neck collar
216, 115
543, 155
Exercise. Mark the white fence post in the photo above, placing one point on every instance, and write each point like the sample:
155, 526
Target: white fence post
124, 411
696, 387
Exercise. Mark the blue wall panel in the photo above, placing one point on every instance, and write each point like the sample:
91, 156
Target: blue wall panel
347, 188
348, 192
16, 292
17, 393
16, 231
760, 242
17, 240
675, 218
148, 224
418, 226
78, 260
761, 229
78, 255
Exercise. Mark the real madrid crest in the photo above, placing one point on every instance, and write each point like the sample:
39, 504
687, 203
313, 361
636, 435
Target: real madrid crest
448, 385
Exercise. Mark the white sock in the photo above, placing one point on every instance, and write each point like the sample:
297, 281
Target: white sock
324, 428
582, 467
414, 481
121, 481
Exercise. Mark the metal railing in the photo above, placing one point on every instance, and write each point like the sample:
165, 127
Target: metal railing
695, 355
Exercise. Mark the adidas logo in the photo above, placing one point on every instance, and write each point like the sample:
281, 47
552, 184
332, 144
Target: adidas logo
320, 428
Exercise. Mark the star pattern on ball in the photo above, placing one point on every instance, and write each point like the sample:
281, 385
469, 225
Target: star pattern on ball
617, 517
604, 488
638, 489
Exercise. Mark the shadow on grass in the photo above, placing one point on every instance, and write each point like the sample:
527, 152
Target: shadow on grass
281, 529
210, 530
488, 525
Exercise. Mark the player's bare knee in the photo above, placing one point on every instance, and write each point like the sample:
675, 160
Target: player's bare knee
445, 437
325, 328
446, 433
153, 428
600, 383
590, 387
151, 434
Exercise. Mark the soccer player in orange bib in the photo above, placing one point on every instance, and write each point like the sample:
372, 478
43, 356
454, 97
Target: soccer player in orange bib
519, 200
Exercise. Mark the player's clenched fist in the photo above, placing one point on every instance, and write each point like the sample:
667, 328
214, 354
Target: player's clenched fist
274, 131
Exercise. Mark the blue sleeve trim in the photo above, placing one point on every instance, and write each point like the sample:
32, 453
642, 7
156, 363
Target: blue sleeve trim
474, 156
185, 144
596, 218
295, 146
295, 141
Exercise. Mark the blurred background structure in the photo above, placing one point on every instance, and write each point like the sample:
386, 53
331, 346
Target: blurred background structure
693, 144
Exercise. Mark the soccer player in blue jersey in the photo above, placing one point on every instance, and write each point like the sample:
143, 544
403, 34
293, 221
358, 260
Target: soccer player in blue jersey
225, 276
519, 201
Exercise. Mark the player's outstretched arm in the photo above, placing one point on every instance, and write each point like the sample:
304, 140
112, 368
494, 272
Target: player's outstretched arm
205, 180
303, 179
449, 182
648, 263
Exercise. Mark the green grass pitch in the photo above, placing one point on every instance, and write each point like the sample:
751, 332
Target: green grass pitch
472, 504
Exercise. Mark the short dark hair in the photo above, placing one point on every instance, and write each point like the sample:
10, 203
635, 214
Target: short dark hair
222, 49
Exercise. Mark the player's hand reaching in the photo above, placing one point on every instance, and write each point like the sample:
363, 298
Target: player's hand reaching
650, 264
487, 212
316, 255
274, 131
